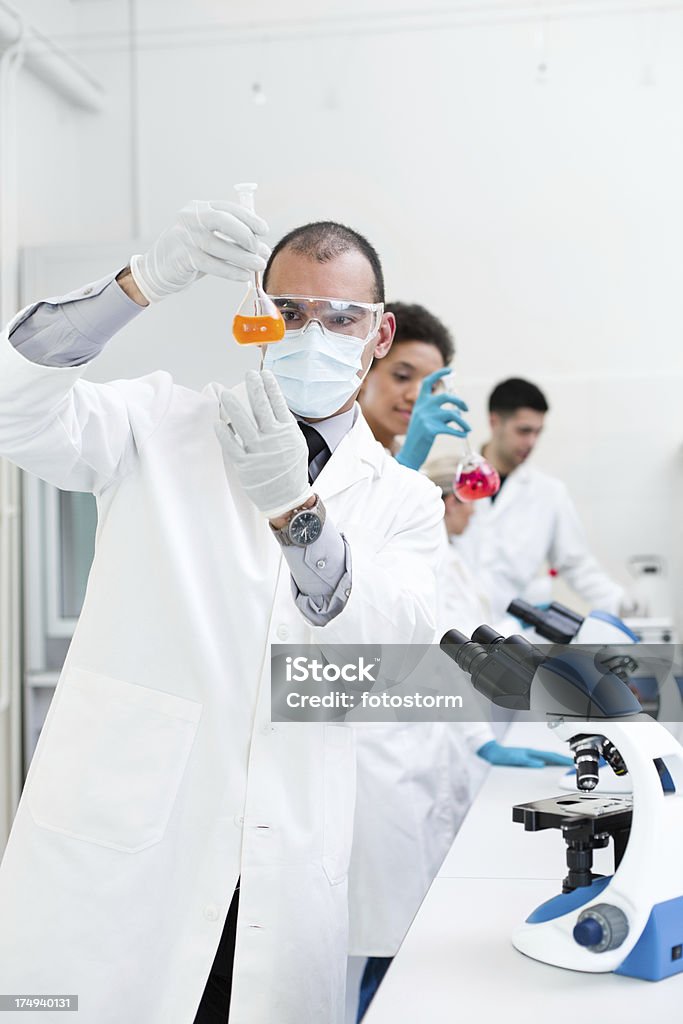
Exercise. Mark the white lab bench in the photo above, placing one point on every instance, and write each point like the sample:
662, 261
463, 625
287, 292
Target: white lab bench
457, 962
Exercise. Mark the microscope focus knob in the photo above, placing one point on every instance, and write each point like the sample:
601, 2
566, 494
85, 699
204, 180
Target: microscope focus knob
601, 927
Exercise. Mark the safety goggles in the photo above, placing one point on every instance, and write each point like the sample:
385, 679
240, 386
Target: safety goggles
359, 320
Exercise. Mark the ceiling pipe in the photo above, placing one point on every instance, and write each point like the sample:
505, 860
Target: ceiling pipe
48, 62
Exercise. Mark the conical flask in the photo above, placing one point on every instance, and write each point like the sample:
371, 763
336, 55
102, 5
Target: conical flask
475, 477
258, 320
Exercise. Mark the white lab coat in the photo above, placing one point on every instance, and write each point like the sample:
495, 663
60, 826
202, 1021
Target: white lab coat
158, 778
532, 521
414, 789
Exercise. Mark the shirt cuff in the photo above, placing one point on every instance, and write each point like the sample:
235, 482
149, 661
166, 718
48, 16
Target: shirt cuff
477, 734
321, 575
72, 329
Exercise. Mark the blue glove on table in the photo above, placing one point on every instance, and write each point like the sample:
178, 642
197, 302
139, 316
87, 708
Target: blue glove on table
521, 757
432, 414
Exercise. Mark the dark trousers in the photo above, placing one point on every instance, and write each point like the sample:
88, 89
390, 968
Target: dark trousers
375, 969
215, 1003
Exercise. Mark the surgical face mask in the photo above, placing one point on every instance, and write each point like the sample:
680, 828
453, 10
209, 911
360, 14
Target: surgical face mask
317, 371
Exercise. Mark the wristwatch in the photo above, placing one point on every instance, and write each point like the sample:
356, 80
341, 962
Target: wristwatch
304, 526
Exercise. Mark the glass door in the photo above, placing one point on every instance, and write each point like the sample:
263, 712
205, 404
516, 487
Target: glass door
59, 544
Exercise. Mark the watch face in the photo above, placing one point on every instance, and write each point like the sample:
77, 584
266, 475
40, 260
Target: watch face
305, 527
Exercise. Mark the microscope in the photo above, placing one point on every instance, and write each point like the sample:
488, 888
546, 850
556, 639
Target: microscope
629, 922
561, 625
653, 670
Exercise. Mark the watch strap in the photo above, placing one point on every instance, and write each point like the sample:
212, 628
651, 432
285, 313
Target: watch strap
283, 533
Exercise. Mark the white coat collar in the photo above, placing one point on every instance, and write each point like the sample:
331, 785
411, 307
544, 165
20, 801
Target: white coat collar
519, 477
334, 429
357, 456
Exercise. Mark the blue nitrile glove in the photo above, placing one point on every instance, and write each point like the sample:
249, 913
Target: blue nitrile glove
521, 757
432, 414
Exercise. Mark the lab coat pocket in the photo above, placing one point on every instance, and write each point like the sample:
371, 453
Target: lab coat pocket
340, 798
111, 762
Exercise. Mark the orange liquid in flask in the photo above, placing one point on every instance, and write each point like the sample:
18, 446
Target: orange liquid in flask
257, 330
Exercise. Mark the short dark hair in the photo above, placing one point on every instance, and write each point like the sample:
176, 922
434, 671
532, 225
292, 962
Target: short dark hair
515, 393
323, 240
415, 323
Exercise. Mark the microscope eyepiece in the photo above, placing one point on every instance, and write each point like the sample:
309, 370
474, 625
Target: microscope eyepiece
503, 674
520, 641
486, 635
462, 650
453, 638
555, 623
524, 611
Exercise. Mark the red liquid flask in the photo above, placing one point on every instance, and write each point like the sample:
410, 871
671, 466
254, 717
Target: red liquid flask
475, 478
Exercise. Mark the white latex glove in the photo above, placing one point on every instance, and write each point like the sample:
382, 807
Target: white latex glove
217, 238
265, 445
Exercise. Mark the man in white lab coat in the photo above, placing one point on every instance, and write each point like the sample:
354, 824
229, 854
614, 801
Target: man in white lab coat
414, 788
532, 520
414, 778
159, 780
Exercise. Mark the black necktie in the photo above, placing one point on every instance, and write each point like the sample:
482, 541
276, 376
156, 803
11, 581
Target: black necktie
318, 451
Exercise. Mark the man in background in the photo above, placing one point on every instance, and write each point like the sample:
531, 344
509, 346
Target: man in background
414, 777
532, 519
